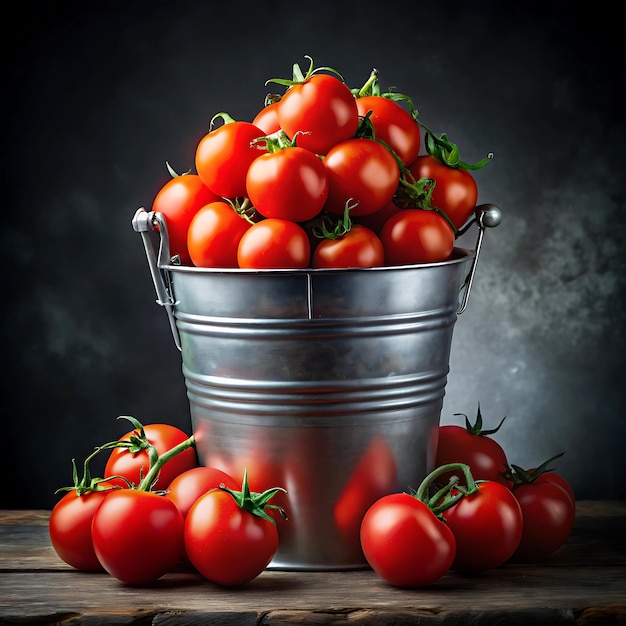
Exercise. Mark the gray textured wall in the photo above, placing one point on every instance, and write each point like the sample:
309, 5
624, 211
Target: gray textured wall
98, 98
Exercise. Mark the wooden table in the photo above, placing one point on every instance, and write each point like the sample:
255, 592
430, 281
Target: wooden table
582, 583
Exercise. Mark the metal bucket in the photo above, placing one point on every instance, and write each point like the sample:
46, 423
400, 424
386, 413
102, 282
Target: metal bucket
328, 383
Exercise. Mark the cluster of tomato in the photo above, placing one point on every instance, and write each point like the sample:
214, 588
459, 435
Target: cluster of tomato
483, 514
155, 509
323, 176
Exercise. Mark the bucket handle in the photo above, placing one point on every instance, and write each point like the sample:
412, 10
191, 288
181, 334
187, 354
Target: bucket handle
144, 223
485, 216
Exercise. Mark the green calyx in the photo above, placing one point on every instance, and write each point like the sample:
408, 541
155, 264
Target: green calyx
256, 503
87, 483
417, 194
173, 173
299, 78
477, 427
277, 141
447, 152
333, 227
225, 117
243, 207
448, 495
137, 442
372, 88
519, 476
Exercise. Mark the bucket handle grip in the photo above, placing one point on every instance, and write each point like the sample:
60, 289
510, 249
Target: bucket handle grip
144, 223
485, 216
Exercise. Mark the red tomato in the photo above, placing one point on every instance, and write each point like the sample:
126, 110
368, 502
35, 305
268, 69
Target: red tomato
360, 169
405, 543
323, 108
359, 247
214, 235
376, 221
455, 192
179, 200
559, 480
187, 487
473, 446
137, 535
70, 528
274, 243
223, 156
226, 543
290, 184
416, 236
549, 512
487, 526
392, 124
267, 119
134, 465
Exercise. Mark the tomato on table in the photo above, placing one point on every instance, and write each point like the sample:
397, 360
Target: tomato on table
472, 445
70, 527
487, 526
548, 507
405, 543
146, 443
178, 201
229, 536
138, 535
187, 487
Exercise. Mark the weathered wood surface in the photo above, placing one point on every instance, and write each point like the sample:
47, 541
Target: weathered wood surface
583, 583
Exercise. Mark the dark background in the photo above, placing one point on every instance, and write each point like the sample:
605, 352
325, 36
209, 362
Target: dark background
98, 95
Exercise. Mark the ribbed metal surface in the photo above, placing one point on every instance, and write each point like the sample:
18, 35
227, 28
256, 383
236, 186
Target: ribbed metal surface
327, 383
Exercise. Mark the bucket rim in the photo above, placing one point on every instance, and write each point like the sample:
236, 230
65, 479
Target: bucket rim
458, 256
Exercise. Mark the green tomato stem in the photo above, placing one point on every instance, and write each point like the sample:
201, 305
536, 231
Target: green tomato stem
151, 477
443, 498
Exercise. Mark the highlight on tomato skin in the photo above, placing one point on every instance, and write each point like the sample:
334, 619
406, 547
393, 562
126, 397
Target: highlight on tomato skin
69, 528
413, 236
359, 247
178, 201
405, 543
133, 464
487, 526
322, 108
548, 507
230, 536
214, 234
274, 244
138, 535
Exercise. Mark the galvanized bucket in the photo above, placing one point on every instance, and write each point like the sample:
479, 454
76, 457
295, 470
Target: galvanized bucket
328, 383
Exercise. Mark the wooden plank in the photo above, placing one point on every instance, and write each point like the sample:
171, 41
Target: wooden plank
583, 583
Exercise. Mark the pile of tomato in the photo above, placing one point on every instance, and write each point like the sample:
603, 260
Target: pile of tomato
156, 510
473, 513
322, 176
